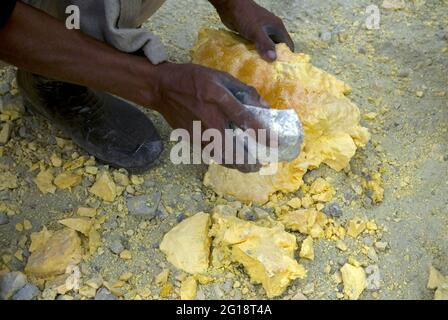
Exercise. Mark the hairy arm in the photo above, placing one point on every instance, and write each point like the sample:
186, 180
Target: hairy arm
34, 41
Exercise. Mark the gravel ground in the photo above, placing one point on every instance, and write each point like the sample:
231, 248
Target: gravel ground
398, 71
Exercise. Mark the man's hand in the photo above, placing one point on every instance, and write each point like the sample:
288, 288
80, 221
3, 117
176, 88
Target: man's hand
189, 92
36, 42
254, 23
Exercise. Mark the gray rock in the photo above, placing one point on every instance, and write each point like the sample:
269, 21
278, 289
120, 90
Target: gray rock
142, 206
227, 286
362, 50
28, 292
180, 217
261, 214
333, 210
10, 283
104, 294
442, 34
246, 213
404, 73
116, 246
5, 195
374, 278
3, 219
325, 36
4, 88
149, 184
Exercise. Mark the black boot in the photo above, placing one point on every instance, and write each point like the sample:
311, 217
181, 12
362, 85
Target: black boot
106, 127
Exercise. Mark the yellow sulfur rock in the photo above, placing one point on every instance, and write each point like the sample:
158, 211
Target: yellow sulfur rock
56, 161
354, 279
322, 190
82, 225
330, 119
75, 164
266, 253
44, 182
307, 250
371, 225
355, 227
166, 290
94, 240
104, 188
438, 282
295, 203
307, 201
38, 239
341, 245
67, 180
8, 180
52, 257
86, 212
126, 255
435, 279
188, 289
87, 292
306, 221
187, 245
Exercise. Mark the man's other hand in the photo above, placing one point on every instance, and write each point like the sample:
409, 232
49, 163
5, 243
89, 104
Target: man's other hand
254, 23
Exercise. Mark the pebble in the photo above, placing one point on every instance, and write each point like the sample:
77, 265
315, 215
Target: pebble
333, 210
28, 292
382, 246
325, 36
261, 214
374, 278
371, 253
442, 35
116, 246
309, 289
246, 213
181, 217
10, 284
103, 294
138, 206
3, 218
4, 88
404, 73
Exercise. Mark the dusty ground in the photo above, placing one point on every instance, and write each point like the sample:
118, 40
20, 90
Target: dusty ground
399, 72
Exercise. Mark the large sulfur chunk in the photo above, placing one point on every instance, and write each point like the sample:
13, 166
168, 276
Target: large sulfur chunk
330, 119
354, 279
267, 253
53, 254
187, 246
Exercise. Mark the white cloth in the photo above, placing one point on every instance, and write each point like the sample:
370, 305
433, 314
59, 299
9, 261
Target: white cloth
116, 22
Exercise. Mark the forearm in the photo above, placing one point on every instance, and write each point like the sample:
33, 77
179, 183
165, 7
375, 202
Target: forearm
36, 42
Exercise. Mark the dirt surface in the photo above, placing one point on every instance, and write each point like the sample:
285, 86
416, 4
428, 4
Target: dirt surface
399, 72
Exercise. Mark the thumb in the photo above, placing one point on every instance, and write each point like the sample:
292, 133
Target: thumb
265, 46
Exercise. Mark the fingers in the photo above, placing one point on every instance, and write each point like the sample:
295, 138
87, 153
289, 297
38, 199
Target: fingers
279, 34
268, 37
242, 92
265, 46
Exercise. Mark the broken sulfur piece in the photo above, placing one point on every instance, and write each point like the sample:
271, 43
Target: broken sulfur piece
53, 254
354, 279
330, 119
187, 245
266, 253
